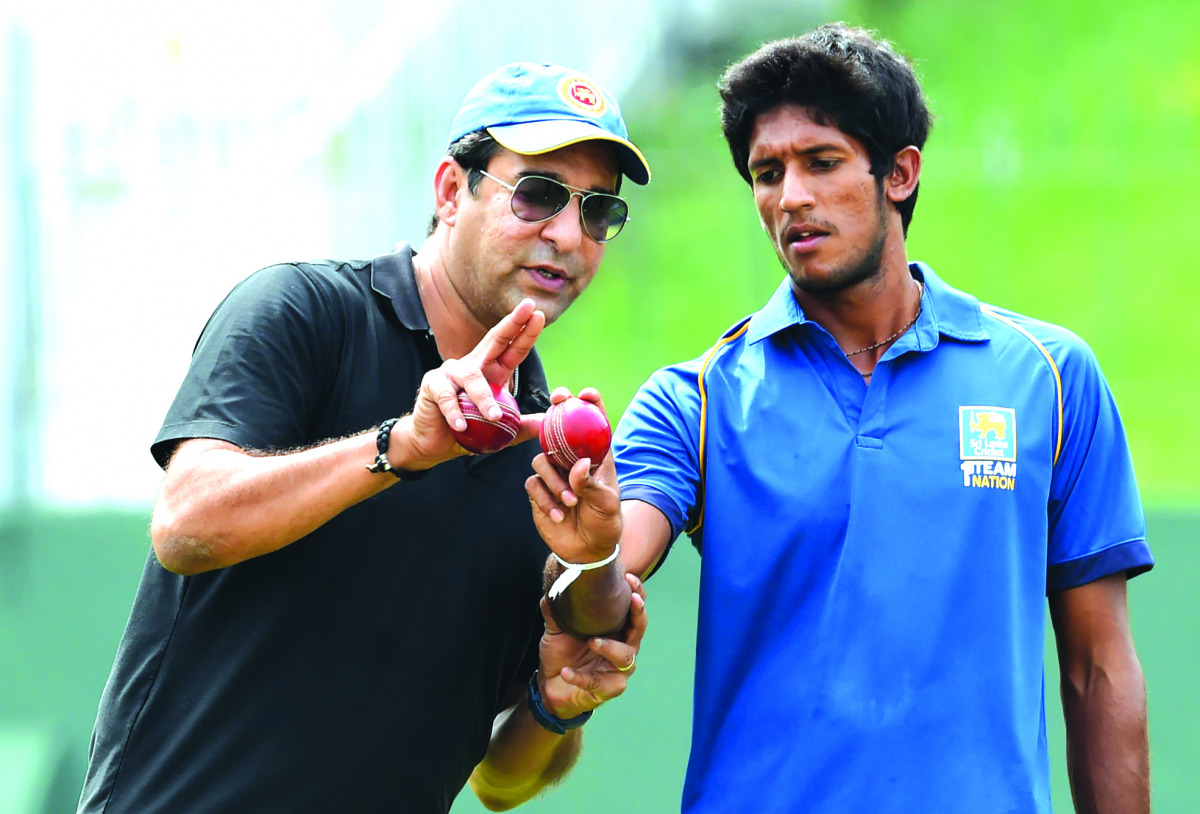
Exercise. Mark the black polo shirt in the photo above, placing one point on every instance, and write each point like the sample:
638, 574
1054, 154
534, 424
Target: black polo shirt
359, 668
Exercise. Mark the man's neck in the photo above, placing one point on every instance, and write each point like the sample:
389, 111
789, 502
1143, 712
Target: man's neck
871, 311
456, 331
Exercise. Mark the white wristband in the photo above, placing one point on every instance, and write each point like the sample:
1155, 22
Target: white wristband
574, 569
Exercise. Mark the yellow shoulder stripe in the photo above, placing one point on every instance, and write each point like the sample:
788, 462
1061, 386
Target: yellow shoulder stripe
1053, 366
725, 340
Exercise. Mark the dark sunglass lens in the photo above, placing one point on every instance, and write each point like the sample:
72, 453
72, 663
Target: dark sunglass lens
604, 215
537, 199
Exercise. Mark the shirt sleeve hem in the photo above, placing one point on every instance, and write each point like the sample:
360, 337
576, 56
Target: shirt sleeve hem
1133, 557
656, 498
172, 434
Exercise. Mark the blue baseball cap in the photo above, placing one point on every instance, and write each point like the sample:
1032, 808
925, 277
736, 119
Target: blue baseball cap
532, 109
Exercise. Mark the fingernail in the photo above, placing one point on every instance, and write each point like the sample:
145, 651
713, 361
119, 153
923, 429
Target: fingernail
460, 424
494, 412
596, 643
556, 515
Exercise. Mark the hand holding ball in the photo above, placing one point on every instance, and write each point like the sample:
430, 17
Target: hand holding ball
575, 429
482, 436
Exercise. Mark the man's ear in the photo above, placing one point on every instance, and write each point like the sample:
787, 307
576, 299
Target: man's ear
449, 182
902, 180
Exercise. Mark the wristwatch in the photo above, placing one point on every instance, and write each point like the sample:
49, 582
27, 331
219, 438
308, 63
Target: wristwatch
548, 720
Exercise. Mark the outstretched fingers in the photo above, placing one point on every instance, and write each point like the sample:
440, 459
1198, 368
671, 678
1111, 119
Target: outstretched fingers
510, 340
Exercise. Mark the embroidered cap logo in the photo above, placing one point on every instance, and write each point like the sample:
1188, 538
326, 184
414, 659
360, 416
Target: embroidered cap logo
583, 96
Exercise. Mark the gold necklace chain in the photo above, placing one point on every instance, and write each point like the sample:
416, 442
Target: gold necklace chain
911, 322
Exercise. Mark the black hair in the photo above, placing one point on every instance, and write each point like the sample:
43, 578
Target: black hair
473, 152
845, 77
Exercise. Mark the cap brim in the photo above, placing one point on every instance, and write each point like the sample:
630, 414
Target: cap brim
535, 138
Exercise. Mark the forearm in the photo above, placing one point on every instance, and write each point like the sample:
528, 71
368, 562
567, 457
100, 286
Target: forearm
522, 759
1104, 698
595, 603
1107, 746
221, 505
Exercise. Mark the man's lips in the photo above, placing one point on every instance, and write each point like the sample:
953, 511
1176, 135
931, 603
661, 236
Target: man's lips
804, 237
548, 276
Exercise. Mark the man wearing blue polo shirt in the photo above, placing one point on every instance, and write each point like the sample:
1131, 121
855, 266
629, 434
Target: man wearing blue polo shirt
885, 478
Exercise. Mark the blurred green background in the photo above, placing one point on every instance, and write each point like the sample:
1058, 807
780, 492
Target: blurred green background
1060, 181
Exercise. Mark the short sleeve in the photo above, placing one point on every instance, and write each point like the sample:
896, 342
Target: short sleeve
1096, 523
657, 445
260, 367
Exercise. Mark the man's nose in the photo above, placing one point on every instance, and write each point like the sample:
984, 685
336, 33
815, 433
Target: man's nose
796, 192
565, 230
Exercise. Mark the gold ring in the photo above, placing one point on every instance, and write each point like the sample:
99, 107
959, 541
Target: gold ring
630, 667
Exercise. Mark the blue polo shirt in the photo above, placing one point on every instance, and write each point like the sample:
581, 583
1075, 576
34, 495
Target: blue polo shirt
875, 559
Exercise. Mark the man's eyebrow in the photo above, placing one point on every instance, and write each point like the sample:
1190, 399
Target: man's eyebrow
816, 149
823, 148
554, 176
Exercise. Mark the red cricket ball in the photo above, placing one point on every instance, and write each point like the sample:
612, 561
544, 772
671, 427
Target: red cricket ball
483, 436
575, 429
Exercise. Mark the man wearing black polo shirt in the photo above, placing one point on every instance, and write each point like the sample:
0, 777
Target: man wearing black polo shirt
341, 609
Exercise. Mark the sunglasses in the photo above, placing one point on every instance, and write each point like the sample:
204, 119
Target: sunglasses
535, 199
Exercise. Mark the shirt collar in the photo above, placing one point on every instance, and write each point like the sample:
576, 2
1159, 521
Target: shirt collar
392, 277
944, 310
781, 312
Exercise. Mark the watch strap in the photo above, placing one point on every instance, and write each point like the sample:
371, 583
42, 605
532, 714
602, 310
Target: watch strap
547, 719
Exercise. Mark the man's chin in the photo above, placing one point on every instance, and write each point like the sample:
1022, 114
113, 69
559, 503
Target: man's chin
813, 281
552, 306
818, 285
818, 282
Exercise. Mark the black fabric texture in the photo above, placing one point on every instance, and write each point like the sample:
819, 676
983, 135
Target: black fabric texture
359, 668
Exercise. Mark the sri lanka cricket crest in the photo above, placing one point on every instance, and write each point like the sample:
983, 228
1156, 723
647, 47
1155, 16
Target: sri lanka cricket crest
987, 440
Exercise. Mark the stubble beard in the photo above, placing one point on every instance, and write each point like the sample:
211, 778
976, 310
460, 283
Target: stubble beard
502, 299
857, 270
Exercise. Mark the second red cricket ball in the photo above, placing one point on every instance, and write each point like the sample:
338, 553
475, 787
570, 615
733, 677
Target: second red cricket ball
575, 429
